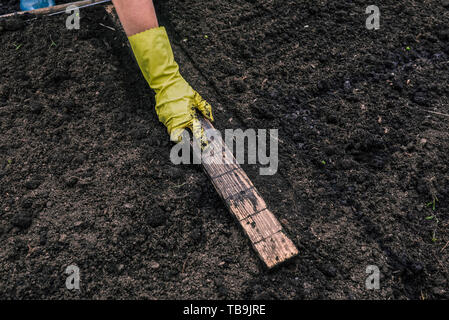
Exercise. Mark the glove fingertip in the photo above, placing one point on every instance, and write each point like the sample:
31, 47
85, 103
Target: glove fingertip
207, 113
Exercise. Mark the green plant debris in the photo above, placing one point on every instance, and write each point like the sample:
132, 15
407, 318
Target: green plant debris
433, 217
180, 185
53, 44
432, 203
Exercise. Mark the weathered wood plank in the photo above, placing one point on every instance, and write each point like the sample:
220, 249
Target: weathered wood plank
232, 184
245, 203
261, 226
275, 249
219, 160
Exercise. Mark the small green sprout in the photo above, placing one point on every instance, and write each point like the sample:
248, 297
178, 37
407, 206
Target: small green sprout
434, 239
433, 217
432, 203
180, 185
53, 44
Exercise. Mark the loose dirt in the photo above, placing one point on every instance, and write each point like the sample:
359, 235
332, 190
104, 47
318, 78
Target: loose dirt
86, 179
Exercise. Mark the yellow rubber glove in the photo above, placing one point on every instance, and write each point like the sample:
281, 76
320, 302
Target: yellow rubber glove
176, 101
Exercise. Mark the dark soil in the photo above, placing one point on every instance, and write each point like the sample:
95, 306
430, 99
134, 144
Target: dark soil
8, 6
86, 179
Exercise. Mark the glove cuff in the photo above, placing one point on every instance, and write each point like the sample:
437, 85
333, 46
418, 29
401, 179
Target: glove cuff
154, 55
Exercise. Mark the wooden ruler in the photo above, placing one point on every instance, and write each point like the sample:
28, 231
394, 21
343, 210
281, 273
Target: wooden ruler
239, 194
244, 202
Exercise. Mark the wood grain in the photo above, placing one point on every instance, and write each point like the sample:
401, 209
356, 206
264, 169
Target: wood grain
244, 202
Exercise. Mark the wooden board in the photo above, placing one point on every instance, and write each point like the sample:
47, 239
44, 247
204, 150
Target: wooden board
240, 196
244, 202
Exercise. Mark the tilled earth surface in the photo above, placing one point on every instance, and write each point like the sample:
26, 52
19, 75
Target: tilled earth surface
85, 175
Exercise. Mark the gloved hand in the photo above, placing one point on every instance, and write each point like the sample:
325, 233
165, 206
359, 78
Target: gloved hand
176, 102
